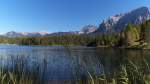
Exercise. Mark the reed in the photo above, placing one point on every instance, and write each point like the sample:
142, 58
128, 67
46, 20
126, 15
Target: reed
127, 73
20, 73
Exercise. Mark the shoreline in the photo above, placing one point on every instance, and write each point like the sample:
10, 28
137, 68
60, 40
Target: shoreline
123, 47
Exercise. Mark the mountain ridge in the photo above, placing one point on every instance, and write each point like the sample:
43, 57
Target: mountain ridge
84, 30
115, 23
118, 22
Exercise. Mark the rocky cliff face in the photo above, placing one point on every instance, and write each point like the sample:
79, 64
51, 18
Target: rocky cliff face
88, 29
118, 22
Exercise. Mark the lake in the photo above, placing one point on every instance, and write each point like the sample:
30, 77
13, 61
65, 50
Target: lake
71, 63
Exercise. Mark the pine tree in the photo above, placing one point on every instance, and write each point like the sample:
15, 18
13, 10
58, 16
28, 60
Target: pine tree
131, 34
145, 32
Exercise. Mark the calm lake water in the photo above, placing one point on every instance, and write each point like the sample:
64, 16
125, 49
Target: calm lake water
69, 63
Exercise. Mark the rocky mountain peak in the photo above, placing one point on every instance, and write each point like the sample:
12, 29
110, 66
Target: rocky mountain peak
118, 22
88, 29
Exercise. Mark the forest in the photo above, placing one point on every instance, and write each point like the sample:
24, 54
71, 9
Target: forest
132, 36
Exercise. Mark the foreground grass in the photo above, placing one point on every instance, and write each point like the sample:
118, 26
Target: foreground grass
128, 73
19, 72
125, 74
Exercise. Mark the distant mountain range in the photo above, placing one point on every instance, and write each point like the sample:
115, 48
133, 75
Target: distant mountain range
85, 30
113, 24
25, 34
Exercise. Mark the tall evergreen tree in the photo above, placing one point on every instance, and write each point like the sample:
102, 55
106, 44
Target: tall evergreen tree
145, 31
131, 34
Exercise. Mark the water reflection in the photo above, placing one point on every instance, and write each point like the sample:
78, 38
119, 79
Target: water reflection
70, 63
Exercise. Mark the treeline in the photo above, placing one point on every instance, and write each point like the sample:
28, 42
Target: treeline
131, 36
49, 40
83, 40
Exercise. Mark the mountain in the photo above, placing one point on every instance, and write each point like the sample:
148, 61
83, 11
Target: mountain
113, 24
63, 33
38, 34
118, 22
25, 34
87, 29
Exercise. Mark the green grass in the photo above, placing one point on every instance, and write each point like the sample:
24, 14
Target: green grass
126, 73
20, 73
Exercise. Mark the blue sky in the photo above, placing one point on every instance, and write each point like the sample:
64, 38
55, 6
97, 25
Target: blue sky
59, 15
